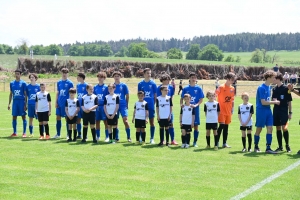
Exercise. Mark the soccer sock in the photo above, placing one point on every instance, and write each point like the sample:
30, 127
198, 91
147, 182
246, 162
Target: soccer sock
188, 138
58, 127
183, 139
249, 141
106, 133
70, 134
30, 129
143, 136
93, 130
46, 127
269, 140
286, 137
216, 140
279, 138
219, 131
244, 142
208, 140
161, 135
41, 130
152, 131
128, 133
172, 134
115, 133
196, 134
98, 133
74, 134
78, 126
137, 136
14, 124
85, 129
110, 136
167, 135
256, 140
225, 133
24, 126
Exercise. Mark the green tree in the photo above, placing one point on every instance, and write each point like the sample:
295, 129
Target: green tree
174, 54
38, 49
53, 49
193, 52
256, 56
23, 47
152, 54
105, 50
229, 58
211, 52
2, 50
238, 59
9, 50
122, 53
138, 50
76, 50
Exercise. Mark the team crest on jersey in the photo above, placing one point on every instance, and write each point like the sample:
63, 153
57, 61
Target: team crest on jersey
150, 86
83, 88
195, 91
189, 109
20, 84
167, 100
66, 85
143, 106
214, 106
44, 95
121, 87
103, 89
36, 90
90, 98
113, 99
247, 108
231, 90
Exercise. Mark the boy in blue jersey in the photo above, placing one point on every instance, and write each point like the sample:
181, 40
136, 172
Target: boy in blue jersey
149, 88
196, 99
19, 96
123, 93
81, 91
264, 115
165, 80
31, 91
62, 94
101, 90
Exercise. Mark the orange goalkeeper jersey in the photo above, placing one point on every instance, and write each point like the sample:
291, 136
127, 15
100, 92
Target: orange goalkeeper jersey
225, 98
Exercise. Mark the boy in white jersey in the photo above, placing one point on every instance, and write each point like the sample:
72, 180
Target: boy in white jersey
187, 119
164, 111
245, 113
212, 111
140, 117
43, 110
111, 108
72, 108
89, 105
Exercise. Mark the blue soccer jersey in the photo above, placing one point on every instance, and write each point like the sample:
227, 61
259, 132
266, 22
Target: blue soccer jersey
31, 93
81, 91
63, 87
170, 91
149, 88
18, 89
195, 92
101, 91
263, 92
122, 90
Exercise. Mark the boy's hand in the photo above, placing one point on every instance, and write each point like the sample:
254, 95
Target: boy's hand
290, 87
132, 120
49, 113
158, 118
180, 124
277, 102
56, 105
146, 121
25, 108
8, 107
192, 125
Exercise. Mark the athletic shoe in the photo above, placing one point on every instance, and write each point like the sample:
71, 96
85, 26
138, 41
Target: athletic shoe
257, 150
24, 135
279, 149
95, 141
117, 141
112, 142
13, 135
56, 136
270, 151
106, 140
41, 137
137, 142
174, 142
183, 145
195, 144
249, 150
79, 137
152, 141
83, 141
160, 144
187, 146
69, 140
98, 138
207, 147
67, 137
226, 146
129, 140
74, 140
143, 143
47, 137
288, 149
298, 152
244, 150
216, 148
30, 136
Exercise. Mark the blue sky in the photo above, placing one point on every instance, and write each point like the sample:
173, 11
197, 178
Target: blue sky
65, 21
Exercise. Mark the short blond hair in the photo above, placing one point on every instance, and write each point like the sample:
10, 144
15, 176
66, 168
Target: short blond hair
210, 92
245, 94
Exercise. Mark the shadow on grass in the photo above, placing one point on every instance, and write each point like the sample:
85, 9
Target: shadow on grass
151, 146
294, 156
11, 138
205, 149
175, 147
130, 145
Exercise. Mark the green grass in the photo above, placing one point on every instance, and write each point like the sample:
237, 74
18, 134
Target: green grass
58, 170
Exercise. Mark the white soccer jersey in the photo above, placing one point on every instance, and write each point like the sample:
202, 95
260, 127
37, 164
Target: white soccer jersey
72, 105
111, 101
140, 110
187, 113
88, 101
245, 111
164, 105
42, 99
211, 109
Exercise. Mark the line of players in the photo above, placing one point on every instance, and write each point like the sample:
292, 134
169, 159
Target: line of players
95, 100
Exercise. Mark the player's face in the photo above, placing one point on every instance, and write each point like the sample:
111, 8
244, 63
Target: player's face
90, 90
111, 90
164, 91
193, 79
245, 99
42, 87
79, 79
187, 99
276, 81
32, 78
64, 75
101, 79
141, 97
166, 82
147, 74
117, 78
72, 95
211, 97
17, 75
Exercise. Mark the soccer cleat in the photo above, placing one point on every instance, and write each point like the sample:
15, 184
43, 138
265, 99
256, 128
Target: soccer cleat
187, 146
30, 136
288, 149
167, 144
79, 137
24, 135
249, 150
195, 144
226, 146
69, 140
279, 149
129, 140
56, 137
98, 138
67, 137
95, 141
112, 141
41, 137
216, 148
298, 152
83, 141
160, 144
74, 140
152, 141
106, 140
207, 147
137, 142
47, 137
256, 149
183, 145
143, 143
174, 142
244, 150
270, 151
13, 135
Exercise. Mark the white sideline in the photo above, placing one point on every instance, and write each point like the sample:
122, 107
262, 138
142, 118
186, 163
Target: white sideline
265, 181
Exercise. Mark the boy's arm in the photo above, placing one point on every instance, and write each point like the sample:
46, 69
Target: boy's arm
290, 109
95, 104
127, 99
66, 109
9, 100
49, 102
36, 104
77, 108
56, 99
267, 103
133, 115
157, 109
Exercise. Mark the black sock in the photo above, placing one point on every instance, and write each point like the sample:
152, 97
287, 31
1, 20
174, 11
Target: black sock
216, 140
167, 135
279, 138
85, 129
137, 136
114, 133
93, 130
225, 133
188, 138
249, 140
286, 137
74, 134
143, 136
41, 130
208, 140
161, 135
46, 126
110, 136
244, 141
183, 139
219, 131
70, 134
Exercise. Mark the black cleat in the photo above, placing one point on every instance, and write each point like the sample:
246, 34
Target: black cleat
279, 149
288, 149
83, 141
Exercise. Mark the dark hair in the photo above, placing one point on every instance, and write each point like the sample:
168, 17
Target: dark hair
65, 70
18, 70
81, 75
111, 85
42, 84
33, 74
88, 86
230, 76
269, 74
141, 92
279, 76
210, 92
192, 74
165, 77
117, 73
163, 87
146, 69
72, 90
101, 75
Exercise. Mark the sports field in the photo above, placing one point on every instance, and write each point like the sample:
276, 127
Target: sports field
55, 169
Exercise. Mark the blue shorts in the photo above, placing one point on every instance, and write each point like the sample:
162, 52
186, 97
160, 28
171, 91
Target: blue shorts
80, 113
197, 116
60, 111
151, 113
100, 114
18, 108
31, 111
264, 118
123, 110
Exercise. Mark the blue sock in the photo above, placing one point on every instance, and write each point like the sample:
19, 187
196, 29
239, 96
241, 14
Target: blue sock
269, 140
256, 139
98, 133
152, 131
31, 129
24, 126
78, 129
58, 127
106, 133
128, 132
117, 134
171, 131
14, 124
196, 134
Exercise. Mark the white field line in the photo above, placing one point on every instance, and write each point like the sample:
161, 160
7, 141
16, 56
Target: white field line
265, 181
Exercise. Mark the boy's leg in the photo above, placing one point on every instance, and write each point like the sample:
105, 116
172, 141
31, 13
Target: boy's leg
167, 135
74, 132
269, 139
41, 130
244, 140
78, 124
93, 130
31, 126
161, 135
137, 135
208, 138
183, 138
14, 125
70, 126
152, 125
58, 123
24, 125
279, 138
127, 128
215, 139
106, 131
171, 131
97, 128
196, 124
249, 136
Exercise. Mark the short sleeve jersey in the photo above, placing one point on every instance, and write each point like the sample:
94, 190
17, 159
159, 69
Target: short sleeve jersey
283, 95
43, 99
195, 92
164, 105
72, 105
225, 98
110, 102
140, 110
211, 109
149, 88
18, 89
31, 91
81, 90
170, 91
245, 110
122, 90
101, 91
63, 87
89, 101
187, 113
263, 92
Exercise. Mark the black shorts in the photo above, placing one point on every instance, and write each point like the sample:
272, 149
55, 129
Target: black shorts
280, 118
43, 116
72, 121
89, 118
112, 122
213, 126
187, 128
139, 123
164, 123
244, 128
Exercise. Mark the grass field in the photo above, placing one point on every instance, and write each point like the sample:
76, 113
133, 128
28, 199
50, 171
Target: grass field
55, 169
10, 61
